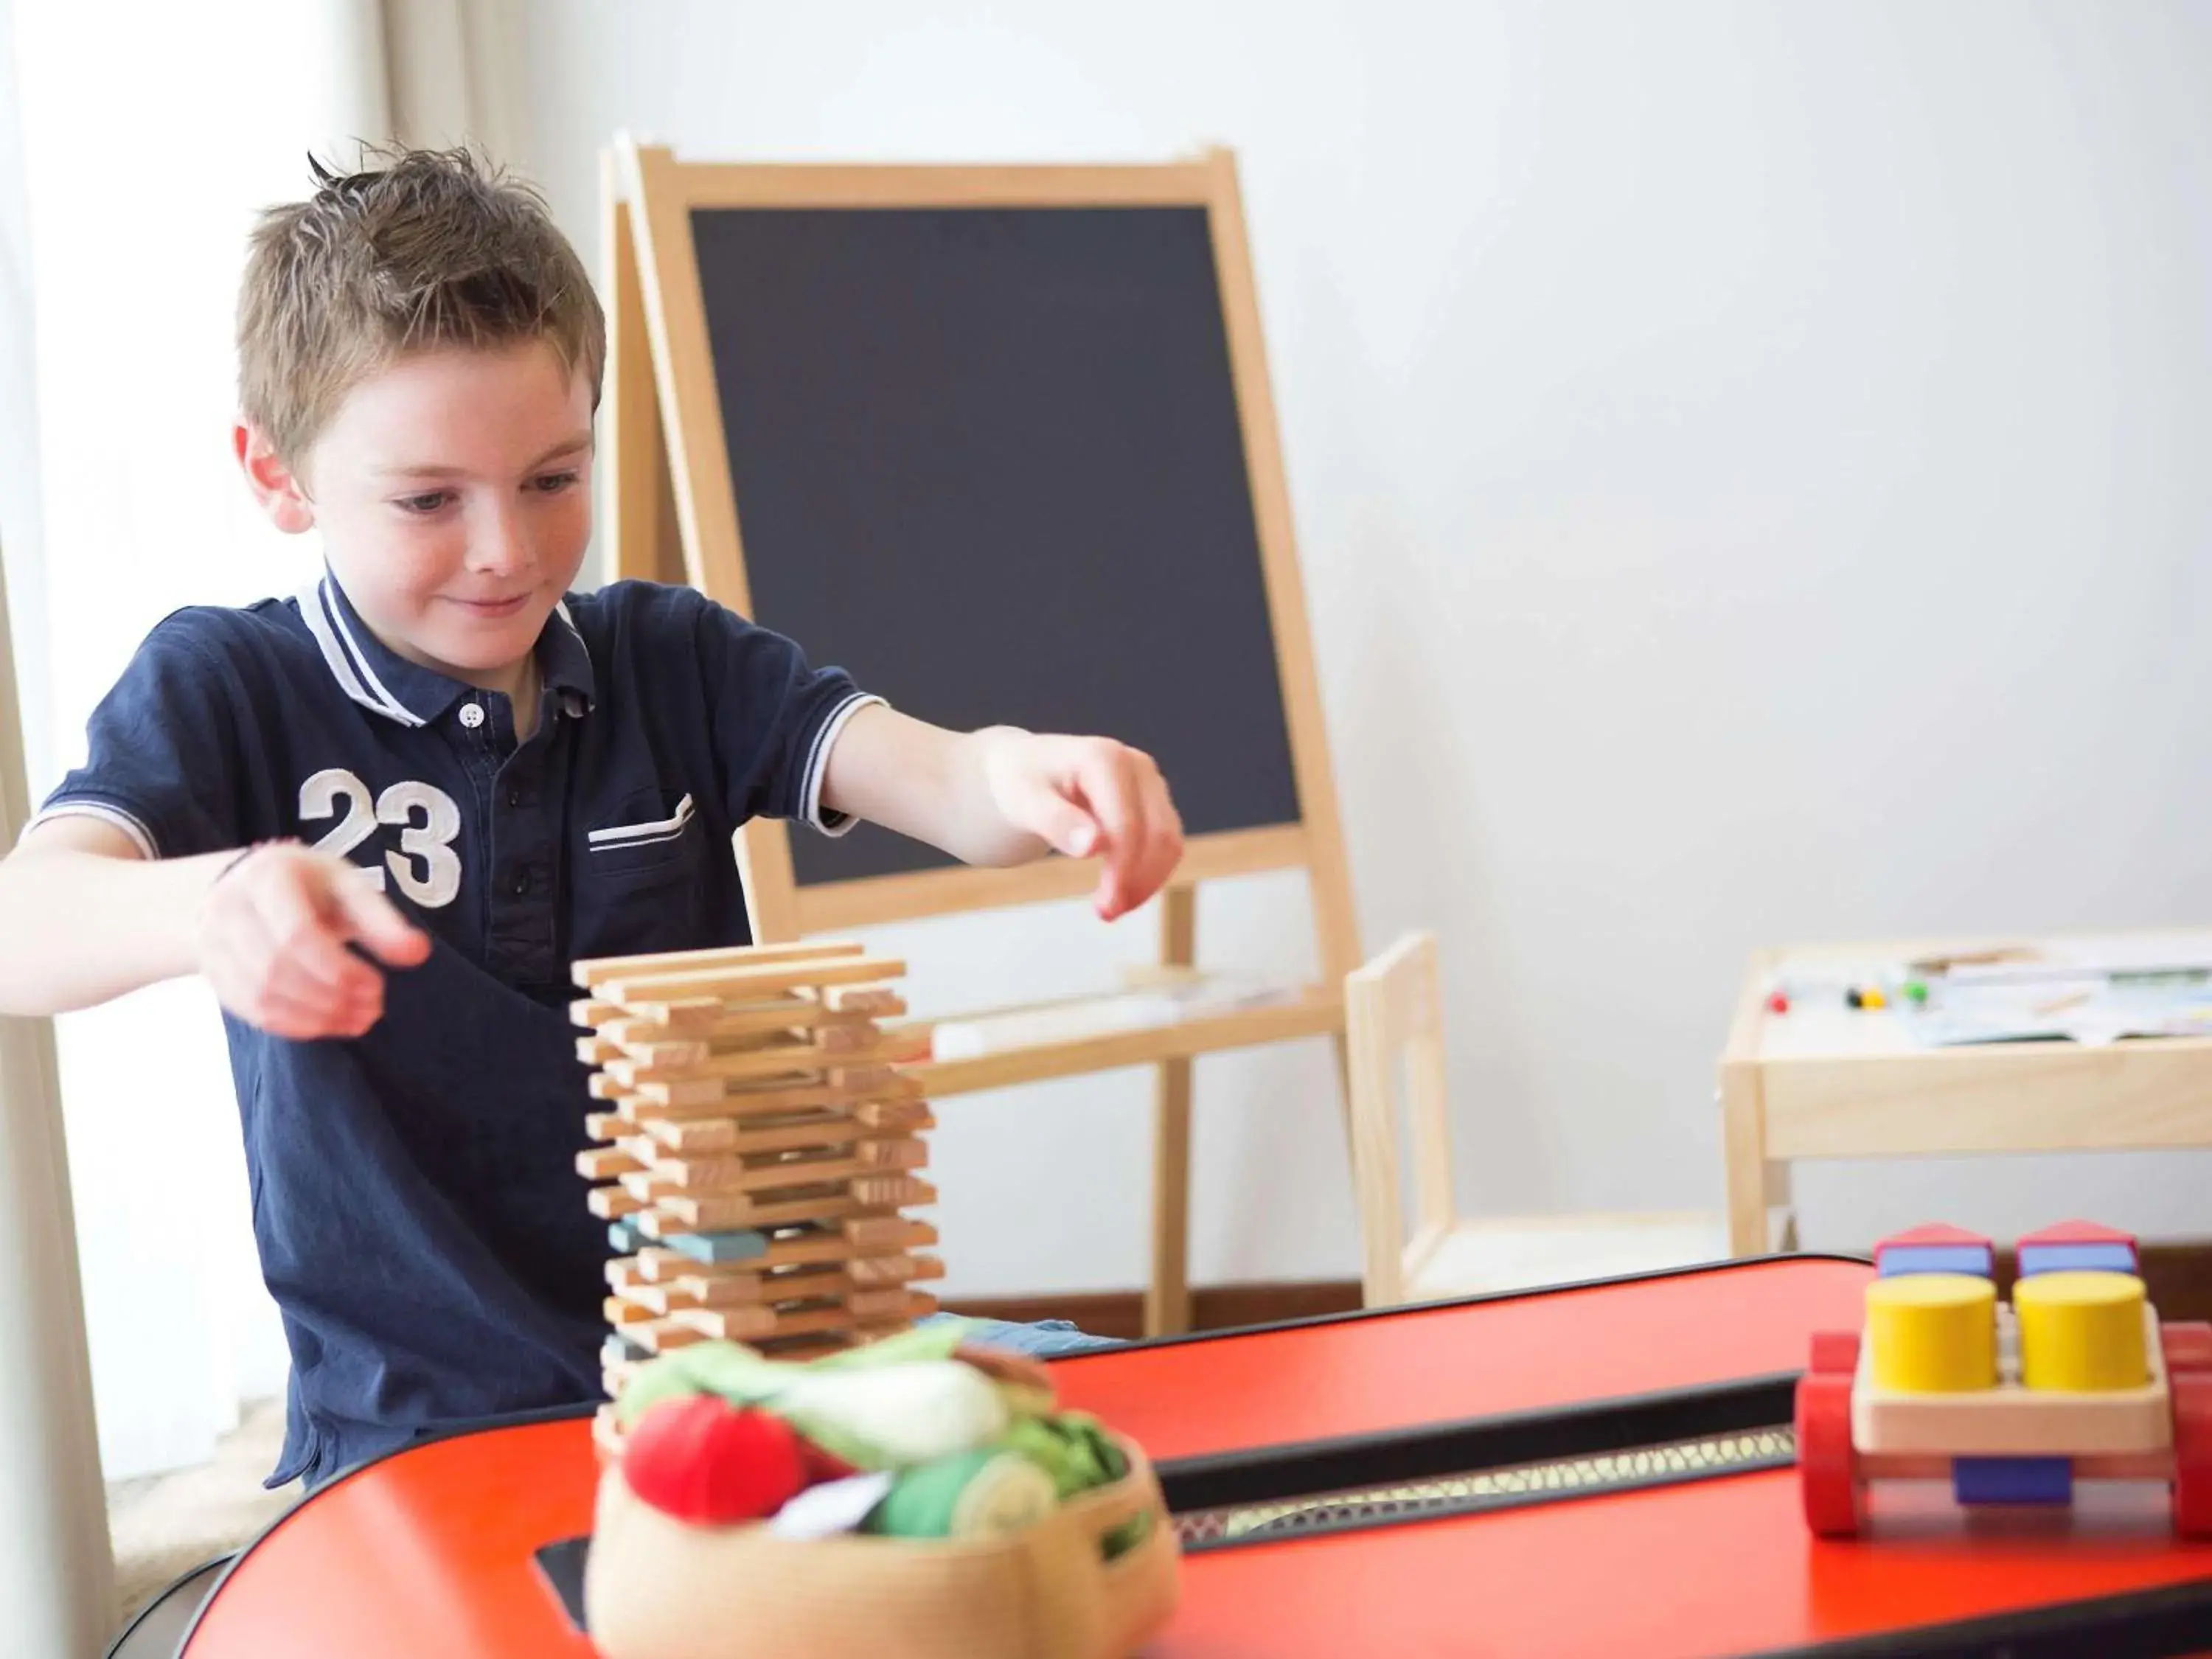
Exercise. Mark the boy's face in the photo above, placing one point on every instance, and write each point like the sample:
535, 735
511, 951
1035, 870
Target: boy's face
453, 493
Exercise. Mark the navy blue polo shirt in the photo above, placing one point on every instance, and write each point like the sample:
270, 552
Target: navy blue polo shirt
421, 1222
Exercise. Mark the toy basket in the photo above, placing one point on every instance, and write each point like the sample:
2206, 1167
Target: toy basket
657, 1588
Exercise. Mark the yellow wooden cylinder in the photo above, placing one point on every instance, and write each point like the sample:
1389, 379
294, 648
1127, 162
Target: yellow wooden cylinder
1932, 1333
2082, 1331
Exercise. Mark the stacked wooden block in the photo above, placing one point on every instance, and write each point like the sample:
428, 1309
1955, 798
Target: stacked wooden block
758, 1148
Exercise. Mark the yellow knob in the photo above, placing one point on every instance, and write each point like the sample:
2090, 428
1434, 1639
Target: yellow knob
1933, 1333
2082, 1331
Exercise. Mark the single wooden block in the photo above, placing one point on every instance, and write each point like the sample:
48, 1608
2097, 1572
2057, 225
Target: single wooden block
895, 1115
591, 1012
861, 998
889, 1301
683, 1014
903, 1153
662, 1335
830, 1204
639, 991
716, 1213
748, 1324
767, 1059
761, 1172
605, 1126
2012, 1480
893, 1189
871, 1272
603, 1163
749, 1101
879, 1234
600, 1087
2083, 1332
1932, 1333
2009, 1420
622, 1311
595, 971
778, 1012
647, 1185
594, 1050
788, 1285
609, 1202
625, 1271
843, 1038
734, 1137
2038, 1259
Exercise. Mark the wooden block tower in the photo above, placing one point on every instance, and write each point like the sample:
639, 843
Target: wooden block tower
759, 1146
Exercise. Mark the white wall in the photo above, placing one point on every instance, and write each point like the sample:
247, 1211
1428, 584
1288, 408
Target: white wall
1747, 464
135, 258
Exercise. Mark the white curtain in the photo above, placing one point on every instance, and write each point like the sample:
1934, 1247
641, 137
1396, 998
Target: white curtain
142, 170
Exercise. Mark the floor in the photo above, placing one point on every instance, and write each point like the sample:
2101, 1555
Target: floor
165, 1525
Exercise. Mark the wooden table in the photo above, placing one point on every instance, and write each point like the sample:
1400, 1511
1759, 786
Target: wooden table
430, 1553
1827, 1081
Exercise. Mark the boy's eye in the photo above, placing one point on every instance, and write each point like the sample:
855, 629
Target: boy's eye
551, 483
429, 501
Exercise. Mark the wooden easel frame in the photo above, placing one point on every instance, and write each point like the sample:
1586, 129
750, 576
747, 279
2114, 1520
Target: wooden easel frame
674, 517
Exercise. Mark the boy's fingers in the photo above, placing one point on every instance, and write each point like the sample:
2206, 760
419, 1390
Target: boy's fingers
375, 922
1066, 827
306, 944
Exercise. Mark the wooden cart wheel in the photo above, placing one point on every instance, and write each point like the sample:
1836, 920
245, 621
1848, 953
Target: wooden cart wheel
1827, 1470
2192, 1453
2187, 1344
1835, 1351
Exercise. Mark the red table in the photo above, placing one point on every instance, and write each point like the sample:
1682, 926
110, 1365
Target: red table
429, 1553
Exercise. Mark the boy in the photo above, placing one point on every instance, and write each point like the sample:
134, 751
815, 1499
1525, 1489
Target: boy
382, 817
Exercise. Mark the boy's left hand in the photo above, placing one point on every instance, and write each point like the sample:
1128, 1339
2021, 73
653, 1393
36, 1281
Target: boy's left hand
1087, 796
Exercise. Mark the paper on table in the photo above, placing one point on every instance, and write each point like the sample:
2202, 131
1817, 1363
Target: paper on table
2088, 1008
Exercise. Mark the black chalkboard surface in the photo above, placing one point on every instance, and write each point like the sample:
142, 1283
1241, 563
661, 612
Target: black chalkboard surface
988, 459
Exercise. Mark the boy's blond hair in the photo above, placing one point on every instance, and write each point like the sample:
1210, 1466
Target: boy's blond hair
426, 248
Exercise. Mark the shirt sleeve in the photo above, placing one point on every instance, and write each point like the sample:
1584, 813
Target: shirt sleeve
162, 756
774, 719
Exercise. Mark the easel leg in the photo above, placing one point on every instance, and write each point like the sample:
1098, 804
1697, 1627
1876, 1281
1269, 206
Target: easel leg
1781, 1209
1167, 1303
1744, 1139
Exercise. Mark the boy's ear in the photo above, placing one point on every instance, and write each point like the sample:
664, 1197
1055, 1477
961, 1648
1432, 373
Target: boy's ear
273, 482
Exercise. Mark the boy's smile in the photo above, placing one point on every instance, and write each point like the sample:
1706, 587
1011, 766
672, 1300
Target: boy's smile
454, 492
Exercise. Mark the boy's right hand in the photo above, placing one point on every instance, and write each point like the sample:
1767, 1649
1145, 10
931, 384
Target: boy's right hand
272, 936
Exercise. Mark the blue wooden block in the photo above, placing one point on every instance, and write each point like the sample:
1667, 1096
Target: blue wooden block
2012, 1479
625, 1238
2075, 1258
1897, 1258
617, 1349
718, 1247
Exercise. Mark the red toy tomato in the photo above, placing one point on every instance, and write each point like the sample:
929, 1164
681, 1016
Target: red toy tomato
702, 1459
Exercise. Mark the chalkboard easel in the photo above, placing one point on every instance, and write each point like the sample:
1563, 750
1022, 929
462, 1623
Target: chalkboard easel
1001, 442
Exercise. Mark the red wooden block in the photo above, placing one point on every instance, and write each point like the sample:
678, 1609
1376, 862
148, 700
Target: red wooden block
2079, 1233
2192, 1454
1827, 1469
1835, 1352
1935, 1232
2187, 1344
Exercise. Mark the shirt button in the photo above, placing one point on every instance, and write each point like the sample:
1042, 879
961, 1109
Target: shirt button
472, 714
514, 797
521, 885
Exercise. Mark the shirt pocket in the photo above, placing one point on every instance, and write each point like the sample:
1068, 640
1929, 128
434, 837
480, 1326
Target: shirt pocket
648, 842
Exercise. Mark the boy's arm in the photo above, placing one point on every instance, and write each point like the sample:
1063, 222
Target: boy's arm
85, 917
1004, 796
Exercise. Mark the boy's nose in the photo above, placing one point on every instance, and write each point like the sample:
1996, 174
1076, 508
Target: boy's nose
500, 546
